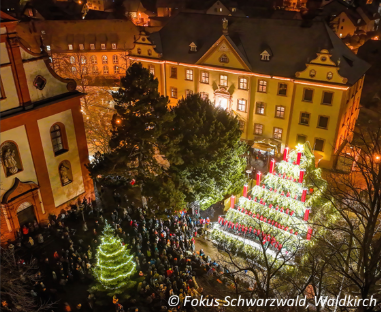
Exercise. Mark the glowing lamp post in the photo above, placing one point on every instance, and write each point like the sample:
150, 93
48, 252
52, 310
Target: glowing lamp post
232, 201
245, 187
285, 153
272, 165
259, 174
306, 214
304, 195
301, 175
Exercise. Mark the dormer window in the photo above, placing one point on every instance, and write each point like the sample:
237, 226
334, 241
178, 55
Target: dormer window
224, 58
70, 46
193, 47
103, 46
265, 56
92, 46
359, 21
81, 46
113, 45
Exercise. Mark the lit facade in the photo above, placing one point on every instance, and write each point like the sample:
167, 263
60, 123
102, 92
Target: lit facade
43, 142
283, 93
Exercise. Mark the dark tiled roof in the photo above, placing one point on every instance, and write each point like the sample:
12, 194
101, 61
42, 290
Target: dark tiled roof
292, 42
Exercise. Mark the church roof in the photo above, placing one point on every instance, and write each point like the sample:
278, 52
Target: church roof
293, 43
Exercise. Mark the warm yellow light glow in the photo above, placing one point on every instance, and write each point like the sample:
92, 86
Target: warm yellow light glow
299, 148
321, 85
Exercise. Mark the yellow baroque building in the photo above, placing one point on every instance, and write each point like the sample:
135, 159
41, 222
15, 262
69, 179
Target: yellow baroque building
288, 81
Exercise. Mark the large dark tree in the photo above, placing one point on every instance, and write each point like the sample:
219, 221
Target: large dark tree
139, 128
206, 154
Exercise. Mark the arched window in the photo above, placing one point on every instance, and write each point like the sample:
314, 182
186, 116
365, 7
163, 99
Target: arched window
65, 173
93, 59
95, 69
105, 69
59, 141
83, 59
72, 60
116, 69
73, 69
149, 52
115, 59
104, 59
10, 158
84, 70
224, 58
139, 51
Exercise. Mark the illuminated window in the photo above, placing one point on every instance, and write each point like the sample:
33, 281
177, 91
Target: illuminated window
115, 59
72, 60
193, 47
84, 70
258, 129
260, 108
70, 47
73, 69
223, 80
92, 46
224, 58
189, 74
48, 47
173, 72
262, 86
105, 69
103, 46
308, 95
93, 59
149, 52
329, 75
139, 51
323, 122
104, 59
113, 46
301, 139
173, 92
83, 59
81, 46
95, 69
204, 95
242, 83
116, 69
152, 69
204, 77
282, 89
278, 133
304, 119
188, 92
279, 111
58, 138
241, 105
312, 73
319, 145
327, 98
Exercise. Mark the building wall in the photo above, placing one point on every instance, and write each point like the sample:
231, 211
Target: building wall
19, 136
344, 25
61, 194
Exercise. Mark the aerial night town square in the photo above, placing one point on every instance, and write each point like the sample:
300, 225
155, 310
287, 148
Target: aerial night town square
190, 155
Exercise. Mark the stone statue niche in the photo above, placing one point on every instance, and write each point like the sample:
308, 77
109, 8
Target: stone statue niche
10, 158
66, 176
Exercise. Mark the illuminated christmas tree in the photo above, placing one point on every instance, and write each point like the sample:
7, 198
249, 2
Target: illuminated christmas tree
114, 266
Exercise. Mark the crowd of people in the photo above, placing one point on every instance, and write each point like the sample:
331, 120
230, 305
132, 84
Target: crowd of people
165, 254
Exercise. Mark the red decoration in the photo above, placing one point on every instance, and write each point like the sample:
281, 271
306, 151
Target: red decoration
259, 174
282, 193
309, 233
288, 194
271, 205
281, 209
272, 165
304, 194
287, 211
298, 157
296, 233
285, 153
263, 186
306, 214
292, 212
311, 190
301, 175
249, 197
232, 201
132, 182
255, 199
245, 190
291, 231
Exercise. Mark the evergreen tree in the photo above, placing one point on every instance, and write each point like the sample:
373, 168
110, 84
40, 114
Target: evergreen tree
139, 128
114, 266
206, 150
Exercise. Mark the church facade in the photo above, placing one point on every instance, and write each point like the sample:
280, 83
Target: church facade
43, 144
